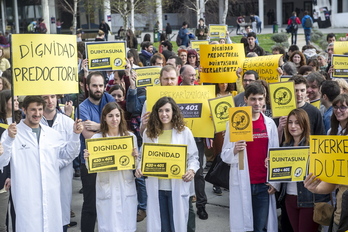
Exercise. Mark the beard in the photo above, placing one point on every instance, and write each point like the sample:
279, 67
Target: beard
94, 96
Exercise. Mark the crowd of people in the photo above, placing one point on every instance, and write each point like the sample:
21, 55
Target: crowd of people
43, 143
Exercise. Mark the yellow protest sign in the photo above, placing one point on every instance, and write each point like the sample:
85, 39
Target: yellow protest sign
220, 62
285, 78
340, 63
44, 64
3, 125
193, 103
328, 158
105, 55
167, 161
219, 110
110, 154
341, 48
287, 163
265, 66
241, 125
217, 31
148, 76
195, 43
316, 103
282, 97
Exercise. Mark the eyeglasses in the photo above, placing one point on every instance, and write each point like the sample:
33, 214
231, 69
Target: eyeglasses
341, 108
248, 80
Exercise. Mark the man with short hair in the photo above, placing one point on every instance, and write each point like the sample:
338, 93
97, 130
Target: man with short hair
188, 75
146, 53
289, 68
177, 63
330, 38
90, 111
167, 49
64, 125
201, 30
307, 24
314, 81
105, 28
329, 91
315, 119
156, 60
184, 34
250, 194
248, 77
252, 46
34, 152
330, 52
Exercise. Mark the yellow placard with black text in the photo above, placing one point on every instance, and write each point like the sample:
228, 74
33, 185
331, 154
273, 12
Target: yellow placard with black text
265, 66
193, 103
106, 55
110, 154
148, 76
217, 31
329, 158
282, 98
166, 161
195, 43
44, 64
220, 62
340, 63
241, 124
341, 47
219, 111
3, 125
287, 163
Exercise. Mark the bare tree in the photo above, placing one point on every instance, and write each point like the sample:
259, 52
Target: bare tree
72, 9
197, 6
224, 14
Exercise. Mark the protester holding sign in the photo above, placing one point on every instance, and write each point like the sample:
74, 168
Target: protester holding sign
168, 199
249, 193
299, 201
115, 190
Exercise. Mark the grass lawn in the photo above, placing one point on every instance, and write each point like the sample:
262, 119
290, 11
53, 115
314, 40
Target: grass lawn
265, 41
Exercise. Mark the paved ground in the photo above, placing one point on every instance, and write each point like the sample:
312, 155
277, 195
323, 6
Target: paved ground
217, 209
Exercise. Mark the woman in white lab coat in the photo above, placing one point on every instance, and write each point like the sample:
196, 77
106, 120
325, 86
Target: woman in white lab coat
168, 199
116, 197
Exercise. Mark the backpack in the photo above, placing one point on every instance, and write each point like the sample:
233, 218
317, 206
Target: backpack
31, 27
178, 39
294, 24
308, 22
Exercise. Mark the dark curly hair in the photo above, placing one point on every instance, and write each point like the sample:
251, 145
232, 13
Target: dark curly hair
104, 129
155, 126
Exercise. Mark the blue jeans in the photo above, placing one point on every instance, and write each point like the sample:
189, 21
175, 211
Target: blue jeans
141, 191
307, 33
260, 204
294, 37
166, 211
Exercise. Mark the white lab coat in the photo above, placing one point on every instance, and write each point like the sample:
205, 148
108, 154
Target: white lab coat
181, 191
241, 213
65, 125
116, 199
35, 176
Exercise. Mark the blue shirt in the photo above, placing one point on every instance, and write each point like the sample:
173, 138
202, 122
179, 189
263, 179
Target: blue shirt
92, 112
327, 118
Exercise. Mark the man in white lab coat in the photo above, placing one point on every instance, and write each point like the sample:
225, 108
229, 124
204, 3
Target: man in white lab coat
64, 125
34, 153
252, 202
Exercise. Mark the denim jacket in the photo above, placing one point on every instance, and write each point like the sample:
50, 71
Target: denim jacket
305, 198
